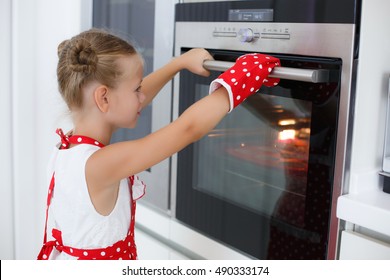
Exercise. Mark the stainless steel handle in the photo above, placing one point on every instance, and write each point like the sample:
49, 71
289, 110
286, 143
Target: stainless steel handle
296, 74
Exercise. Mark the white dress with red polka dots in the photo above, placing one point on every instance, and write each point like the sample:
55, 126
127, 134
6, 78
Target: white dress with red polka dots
76, 223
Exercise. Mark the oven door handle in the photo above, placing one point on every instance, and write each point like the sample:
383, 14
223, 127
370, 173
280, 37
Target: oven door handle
287, 73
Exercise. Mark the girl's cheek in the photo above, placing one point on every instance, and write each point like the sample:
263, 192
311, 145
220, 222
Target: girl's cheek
141, 97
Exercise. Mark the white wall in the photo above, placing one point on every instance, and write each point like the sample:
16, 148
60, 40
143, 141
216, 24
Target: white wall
31, 111
6, 188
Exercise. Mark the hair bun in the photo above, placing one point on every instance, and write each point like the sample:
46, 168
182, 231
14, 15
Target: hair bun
82, 57
62, 47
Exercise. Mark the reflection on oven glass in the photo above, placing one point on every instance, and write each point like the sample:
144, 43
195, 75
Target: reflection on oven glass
257, 155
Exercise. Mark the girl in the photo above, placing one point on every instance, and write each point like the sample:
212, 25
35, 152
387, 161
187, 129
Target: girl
93, 189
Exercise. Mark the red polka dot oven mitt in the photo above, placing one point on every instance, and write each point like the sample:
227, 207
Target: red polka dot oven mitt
246, 77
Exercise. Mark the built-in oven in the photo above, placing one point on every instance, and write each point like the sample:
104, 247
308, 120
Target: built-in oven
265, 181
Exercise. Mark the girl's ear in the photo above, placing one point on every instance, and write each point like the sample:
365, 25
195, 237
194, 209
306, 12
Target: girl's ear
101, 98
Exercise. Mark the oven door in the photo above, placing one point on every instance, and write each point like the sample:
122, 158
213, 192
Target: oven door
261, 181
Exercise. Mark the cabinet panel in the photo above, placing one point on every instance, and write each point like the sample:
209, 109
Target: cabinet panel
150, 248
356, 246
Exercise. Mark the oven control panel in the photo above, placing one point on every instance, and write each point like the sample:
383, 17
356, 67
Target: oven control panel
247, 35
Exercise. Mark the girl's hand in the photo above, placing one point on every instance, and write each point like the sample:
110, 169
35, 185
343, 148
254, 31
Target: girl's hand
193, 61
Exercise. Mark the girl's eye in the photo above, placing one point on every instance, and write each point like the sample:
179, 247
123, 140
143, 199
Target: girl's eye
138, 89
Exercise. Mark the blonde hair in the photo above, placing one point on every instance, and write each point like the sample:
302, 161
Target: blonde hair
90, 56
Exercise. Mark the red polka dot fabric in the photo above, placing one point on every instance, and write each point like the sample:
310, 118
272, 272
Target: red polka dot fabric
246, 77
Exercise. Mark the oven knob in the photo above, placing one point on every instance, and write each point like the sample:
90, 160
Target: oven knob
246, 35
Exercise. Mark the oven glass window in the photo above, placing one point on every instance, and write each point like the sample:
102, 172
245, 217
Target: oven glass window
257, 154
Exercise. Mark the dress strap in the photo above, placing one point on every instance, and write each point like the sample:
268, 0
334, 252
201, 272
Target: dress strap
132, 207
49, 196
66, 140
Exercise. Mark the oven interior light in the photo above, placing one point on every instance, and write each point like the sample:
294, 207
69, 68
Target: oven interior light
305, 132
287, 122
287, 134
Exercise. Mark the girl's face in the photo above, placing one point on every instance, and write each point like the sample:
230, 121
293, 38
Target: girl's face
127, 97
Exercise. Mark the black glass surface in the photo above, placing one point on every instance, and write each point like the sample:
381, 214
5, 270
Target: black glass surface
302, 11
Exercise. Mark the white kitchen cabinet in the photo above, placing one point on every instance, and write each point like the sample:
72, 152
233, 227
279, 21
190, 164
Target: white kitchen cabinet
150, 248
356, 246
166, 232
363, 203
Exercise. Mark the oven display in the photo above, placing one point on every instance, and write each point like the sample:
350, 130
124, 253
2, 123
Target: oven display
254, 15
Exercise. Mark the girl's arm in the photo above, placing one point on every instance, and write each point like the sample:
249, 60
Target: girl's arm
117, 161
191, 60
